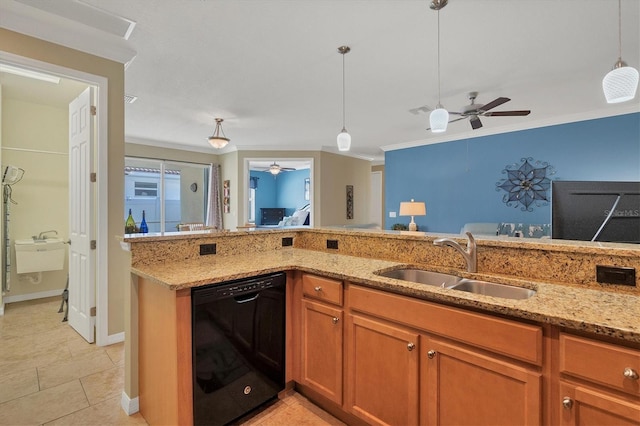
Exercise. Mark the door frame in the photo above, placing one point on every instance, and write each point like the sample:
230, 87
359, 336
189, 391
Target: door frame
100, 220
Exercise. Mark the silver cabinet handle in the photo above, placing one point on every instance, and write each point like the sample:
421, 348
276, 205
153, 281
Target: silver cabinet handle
335, 320
630, 373
318, 288
431, 354
411, 346
567, 402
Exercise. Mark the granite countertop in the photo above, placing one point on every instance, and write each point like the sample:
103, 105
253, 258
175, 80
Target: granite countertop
604, 313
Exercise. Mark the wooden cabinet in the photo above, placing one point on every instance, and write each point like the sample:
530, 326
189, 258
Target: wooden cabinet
383, 373
322, 336
599, 382
414, 362
461, 386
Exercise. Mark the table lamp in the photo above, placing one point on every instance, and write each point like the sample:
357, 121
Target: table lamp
413, 208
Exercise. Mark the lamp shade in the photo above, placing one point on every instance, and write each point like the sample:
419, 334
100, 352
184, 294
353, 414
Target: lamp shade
413, 208
438, 120
218, 141
344, 140
620, 84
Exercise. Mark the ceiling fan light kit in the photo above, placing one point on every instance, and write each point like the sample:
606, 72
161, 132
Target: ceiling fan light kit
216, 140
344, 138
620, 84
439, 117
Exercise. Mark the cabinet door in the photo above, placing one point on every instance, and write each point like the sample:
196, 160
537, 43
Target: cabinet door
322, 349
382, 372
585, 406
462, 387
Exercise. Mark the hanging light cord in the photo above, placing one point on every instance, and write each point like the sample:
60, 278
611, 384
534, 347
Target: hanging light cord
439, 58
619, 30
343, 95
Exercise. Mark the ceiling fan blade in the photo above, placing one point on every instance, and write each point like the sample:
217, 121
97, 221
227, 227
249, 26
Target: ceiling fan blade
507, 113
475, 122
494, 103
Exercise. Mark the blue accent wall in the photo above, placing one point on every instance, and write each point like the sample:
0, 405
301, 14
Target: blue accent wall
457, 180
287, 190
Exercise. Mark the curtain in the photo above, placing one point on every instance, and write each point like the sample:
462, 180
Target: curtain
214, 199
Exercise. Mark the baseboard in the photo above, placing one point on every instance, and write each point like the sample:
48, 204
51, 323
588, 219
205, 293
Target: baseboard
130, 406
115, 338
32, 296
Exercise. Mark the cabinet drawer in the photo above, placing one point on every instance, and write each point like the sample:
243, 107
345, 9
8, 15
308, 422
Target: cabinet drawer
325, 289
600, 362
511, 338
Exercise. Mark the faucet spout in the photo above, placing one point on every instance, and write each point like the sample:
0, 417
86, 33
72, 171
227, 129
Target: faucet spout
42, 235
470, 253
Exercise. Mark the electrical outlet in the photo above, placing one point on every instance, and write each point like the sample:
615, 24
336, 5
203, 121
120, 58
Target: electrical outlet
392, 214
616, 275
287, 241
332, 244
207, 249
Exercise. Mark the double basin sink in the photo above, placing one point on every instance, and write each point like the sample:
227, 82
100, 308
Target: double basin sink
437, 279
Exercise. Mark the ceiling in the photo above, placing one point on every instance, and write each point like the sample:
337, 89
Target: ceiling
271, 68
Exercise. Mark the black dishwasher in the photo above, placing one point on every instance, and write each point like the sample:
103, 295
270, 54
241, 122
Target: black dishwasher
238, 347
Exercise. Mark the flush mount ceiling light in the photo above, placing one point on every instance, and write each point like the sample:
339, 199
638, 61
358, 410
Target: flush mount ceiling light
216, 140
439, 117
620, 84
344, 138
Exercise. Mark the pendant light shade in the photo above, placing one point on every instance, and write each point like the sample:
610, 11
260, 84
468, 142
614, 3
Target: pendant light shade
439, 117
216, 140
344, 138
621, 83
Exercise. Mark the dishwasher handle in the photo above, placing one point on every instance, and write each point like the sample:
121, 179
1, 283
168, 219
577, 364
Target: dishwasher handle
248, 299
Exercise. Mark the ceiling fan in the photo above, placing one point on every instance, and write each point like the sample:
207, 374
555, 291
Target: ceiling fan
475, 111
275, 169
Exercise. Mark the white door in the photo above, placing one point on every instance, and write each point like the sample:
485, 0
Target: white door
81, 214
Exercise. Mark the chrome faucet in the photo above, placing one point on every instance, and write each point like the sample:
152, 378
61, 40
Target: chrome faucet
42, 235
470, 255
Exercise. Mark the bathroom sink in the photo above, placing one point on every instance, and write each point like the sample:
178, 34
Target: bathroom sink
493, 289
422, 277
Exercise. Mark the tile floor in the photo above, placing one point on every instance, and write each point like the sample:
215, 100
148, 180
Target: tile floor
50, 376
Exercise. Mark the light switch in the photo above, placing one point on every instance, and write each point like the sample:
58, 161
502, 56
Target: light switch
392, 214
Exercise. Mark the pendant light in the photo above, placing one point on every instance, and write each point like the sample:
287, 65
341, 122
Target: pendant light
344, 138
216, 140
439, 117
620, 84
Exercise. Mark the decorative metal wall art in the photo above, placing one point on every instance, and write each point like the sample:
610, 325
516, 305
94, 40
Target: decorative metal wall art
527, 184
226, 196
349, 201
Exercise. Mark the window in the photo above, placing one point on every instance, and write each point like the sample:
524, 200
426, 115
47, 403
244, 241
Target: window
168, 192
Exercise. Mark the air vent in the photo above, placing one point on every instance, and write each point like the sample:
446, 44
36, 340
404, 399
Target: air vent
129, 99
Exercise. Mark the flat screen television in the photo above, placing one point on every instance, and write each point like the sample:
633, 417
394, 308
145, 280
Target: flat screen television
595, 211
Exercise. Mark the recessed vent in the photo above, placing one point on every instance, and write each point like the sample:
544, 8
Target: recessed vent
129, 99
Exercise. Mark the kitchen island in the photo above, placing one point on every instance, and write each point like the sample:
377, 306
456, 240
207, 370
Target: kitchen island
568, 303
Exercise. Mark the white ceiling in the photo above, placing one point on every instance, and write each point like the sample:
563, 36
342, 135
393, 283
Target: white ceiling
270, 68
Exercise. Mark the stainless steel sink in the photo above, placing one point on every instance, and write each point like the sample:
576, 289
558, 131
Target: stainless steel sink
453, 282
422, 277
493, 289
